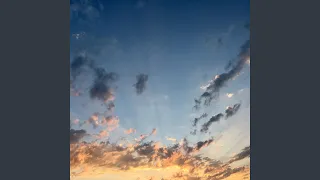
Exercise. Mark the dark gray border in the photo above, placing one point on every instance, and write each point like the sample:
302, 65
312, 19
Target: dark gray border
284, 109
35, 89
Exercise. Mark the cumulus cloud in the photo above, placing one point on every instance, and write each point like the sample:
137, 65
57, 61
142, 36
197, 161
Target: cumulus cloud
101, 88
112, 122
99, 157
140, 85
102, 134
93, 120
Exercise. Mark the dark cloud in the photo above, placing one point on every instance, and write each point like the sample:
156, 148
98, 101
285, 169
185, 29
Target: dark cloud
110, 106
101, 88
230, 64
76, 135
145, 149
205, 126
196, 120
202, 144
185, 146
101, 91
141, 83
197, 104
197, 147
212, 91
226, 173
78, 65
194, 132
230, 111
242, 155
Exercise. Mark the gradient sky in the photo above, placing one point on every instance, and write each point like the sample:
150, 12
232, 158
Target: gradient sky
176, 43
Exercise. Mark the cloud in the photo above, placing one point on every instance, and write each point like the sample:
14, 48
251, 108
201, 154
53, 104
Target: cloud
93, 120
229, 95
76, 121
106, 157
140, 85
171, 139
230, 111
197, 104
76, 135
100, 156
145, 136
130, 131
154, 131
212, 90
78, 65
196, 120
216, 118
101, 88
79, 35
202, 144
85, 11
224, 36
242, 155
102, 134
111, 106
112, 122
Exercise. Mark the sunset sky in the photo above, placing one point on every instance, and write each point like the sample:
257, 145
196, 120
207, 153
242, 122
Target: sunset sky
180, 45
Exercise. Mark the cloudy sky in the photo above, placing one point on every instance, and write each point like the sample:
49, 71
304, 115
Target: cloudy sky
137, 67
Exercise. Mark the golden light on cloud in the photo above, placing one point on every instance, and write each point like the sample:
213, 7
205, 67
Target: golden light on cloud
145, 160
229, 95
130, 131
76, 121
171, 139
248, 61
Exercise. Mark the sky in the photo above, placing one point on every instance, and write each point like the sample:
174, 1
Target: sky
178, 46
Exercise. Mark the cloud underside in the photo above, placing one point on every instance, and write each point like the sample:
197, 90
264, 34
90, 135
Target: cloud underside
98, 158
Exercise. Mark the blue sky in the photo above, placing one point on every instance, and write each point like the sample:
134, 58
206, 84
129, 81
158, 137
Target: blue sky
175, 42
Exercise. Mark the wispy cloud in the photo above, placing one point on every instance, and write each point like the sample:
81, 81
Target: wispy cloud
85, 11
213, 88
